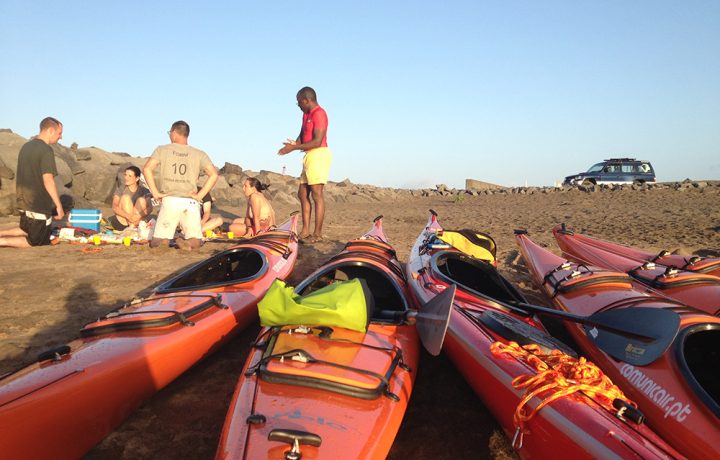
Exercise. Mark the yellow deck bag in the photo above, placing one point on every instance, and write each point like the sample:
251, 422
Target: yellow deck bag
470, 242
347, 304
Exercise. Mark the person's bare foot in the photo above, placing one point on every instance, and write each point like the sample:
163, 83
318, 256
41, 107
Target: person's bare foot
183, 244
312, 239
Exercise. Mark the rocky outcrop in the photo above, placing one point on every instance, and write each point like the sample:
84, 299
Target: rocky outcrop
87, 177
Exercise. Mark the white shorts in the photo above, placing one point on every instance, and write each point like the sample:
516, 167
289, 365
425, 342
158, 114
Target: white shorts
180, 212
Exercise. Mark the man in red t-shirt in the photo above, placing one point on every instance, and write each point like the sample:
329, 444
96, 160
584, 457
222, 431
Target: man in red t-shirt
316, 162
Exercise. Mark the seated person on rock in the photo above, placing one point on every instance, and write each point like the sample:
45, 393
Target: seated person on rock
259, 216
208, 221
131, 201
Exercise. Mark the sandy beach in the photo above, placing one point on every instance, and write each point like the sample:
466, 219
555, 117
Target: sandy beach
48, 293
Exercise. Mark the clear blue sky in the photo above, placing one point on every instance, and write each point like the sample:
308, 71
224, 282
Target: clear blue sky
418, 93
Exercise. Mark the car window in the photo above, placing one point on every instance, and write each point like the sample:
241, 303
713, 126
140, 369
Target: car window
629, 168
645, 168
596, 168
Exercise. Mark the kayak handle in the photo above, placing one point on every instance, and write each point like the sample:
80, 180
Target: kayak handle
295, 438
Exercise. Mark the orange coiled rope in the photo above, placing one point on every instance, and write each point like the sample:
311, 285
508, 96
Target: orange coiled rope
558, 375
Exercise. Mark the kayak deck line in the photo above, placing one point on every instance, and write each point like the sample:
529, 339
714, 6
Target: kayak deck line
580, 276
118, 323
273, 367
670, 277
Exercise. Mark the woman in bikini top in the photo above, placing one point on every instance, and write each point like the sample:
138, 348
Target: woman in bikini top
259, 216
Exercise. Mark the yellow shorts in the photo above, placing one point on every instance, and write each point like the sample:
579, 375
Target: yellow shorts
316, 166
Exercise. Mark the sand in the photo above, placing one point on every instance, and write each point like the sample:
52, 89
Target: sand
49, 293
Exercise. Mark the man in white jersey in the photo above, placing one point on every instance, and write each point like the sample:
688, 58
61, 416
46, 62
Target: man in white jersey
180, 166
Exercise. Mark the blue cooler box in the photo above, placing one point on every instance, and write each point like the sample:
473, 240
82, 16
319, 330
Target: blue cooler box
85, 218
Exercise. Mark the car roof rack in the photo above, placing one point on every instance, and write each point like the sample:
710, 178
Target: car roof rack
621, 159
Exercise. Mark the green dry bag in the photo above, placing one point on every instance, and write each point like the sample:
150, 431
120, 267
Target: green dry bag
345, 304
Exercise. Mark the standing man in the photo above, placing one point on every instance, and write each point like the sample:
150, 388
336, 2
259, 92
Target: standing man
180, 167
37, 194
316, 163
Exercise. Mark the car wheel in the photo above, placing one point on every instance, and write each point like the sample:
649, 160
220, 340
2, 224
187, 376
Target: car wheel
588, 182
638, 182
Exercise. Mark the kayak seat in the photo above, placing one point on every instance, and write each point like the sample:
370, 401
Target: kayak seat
476, 276
232, 266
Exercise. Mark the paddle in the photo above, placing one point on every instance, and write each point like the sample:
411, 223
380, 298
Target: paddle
433, 318
637, 335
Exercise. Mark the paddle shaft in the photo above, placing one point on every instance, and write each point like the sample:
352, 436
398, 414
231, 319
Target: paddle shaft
575, 318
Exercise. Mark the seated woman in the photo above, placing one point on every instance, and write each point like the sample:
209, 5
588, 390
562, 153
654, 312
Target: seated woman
207, 220
131, 202
259, 216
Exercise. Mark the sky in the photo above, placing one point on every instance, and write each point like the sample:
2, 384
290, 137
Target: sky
417, 93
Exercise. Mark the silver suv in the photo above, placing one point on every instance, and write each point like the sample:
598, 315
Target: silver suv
615, 171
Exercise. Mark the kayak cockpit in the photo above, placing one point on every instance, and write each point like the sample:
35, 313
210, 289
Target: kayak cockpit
390, 303
474, 276
234, 266
698, 353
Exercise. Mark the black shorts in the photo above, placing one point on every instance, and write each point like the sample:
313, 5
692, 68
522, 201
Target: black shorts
116, 224
38, 230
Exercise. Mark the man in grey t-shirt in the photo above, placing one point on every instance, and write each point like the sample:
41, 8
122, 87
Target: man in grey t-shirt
180, 166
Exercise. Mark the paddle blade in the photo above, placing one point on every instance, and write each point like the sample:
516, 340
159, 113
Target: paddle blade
659, 326
433, 318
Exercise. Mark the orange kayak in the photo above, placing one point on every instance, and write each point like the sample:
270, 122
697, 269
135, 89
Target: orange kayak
696, 264
64, 404
694, 289
662, 354
320, 392
483, 341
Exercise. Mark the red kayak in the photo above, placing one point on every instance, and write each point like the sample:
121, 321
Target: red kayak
693, 289
482, 341
64, 404
696, 264
327, 392
662, 354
